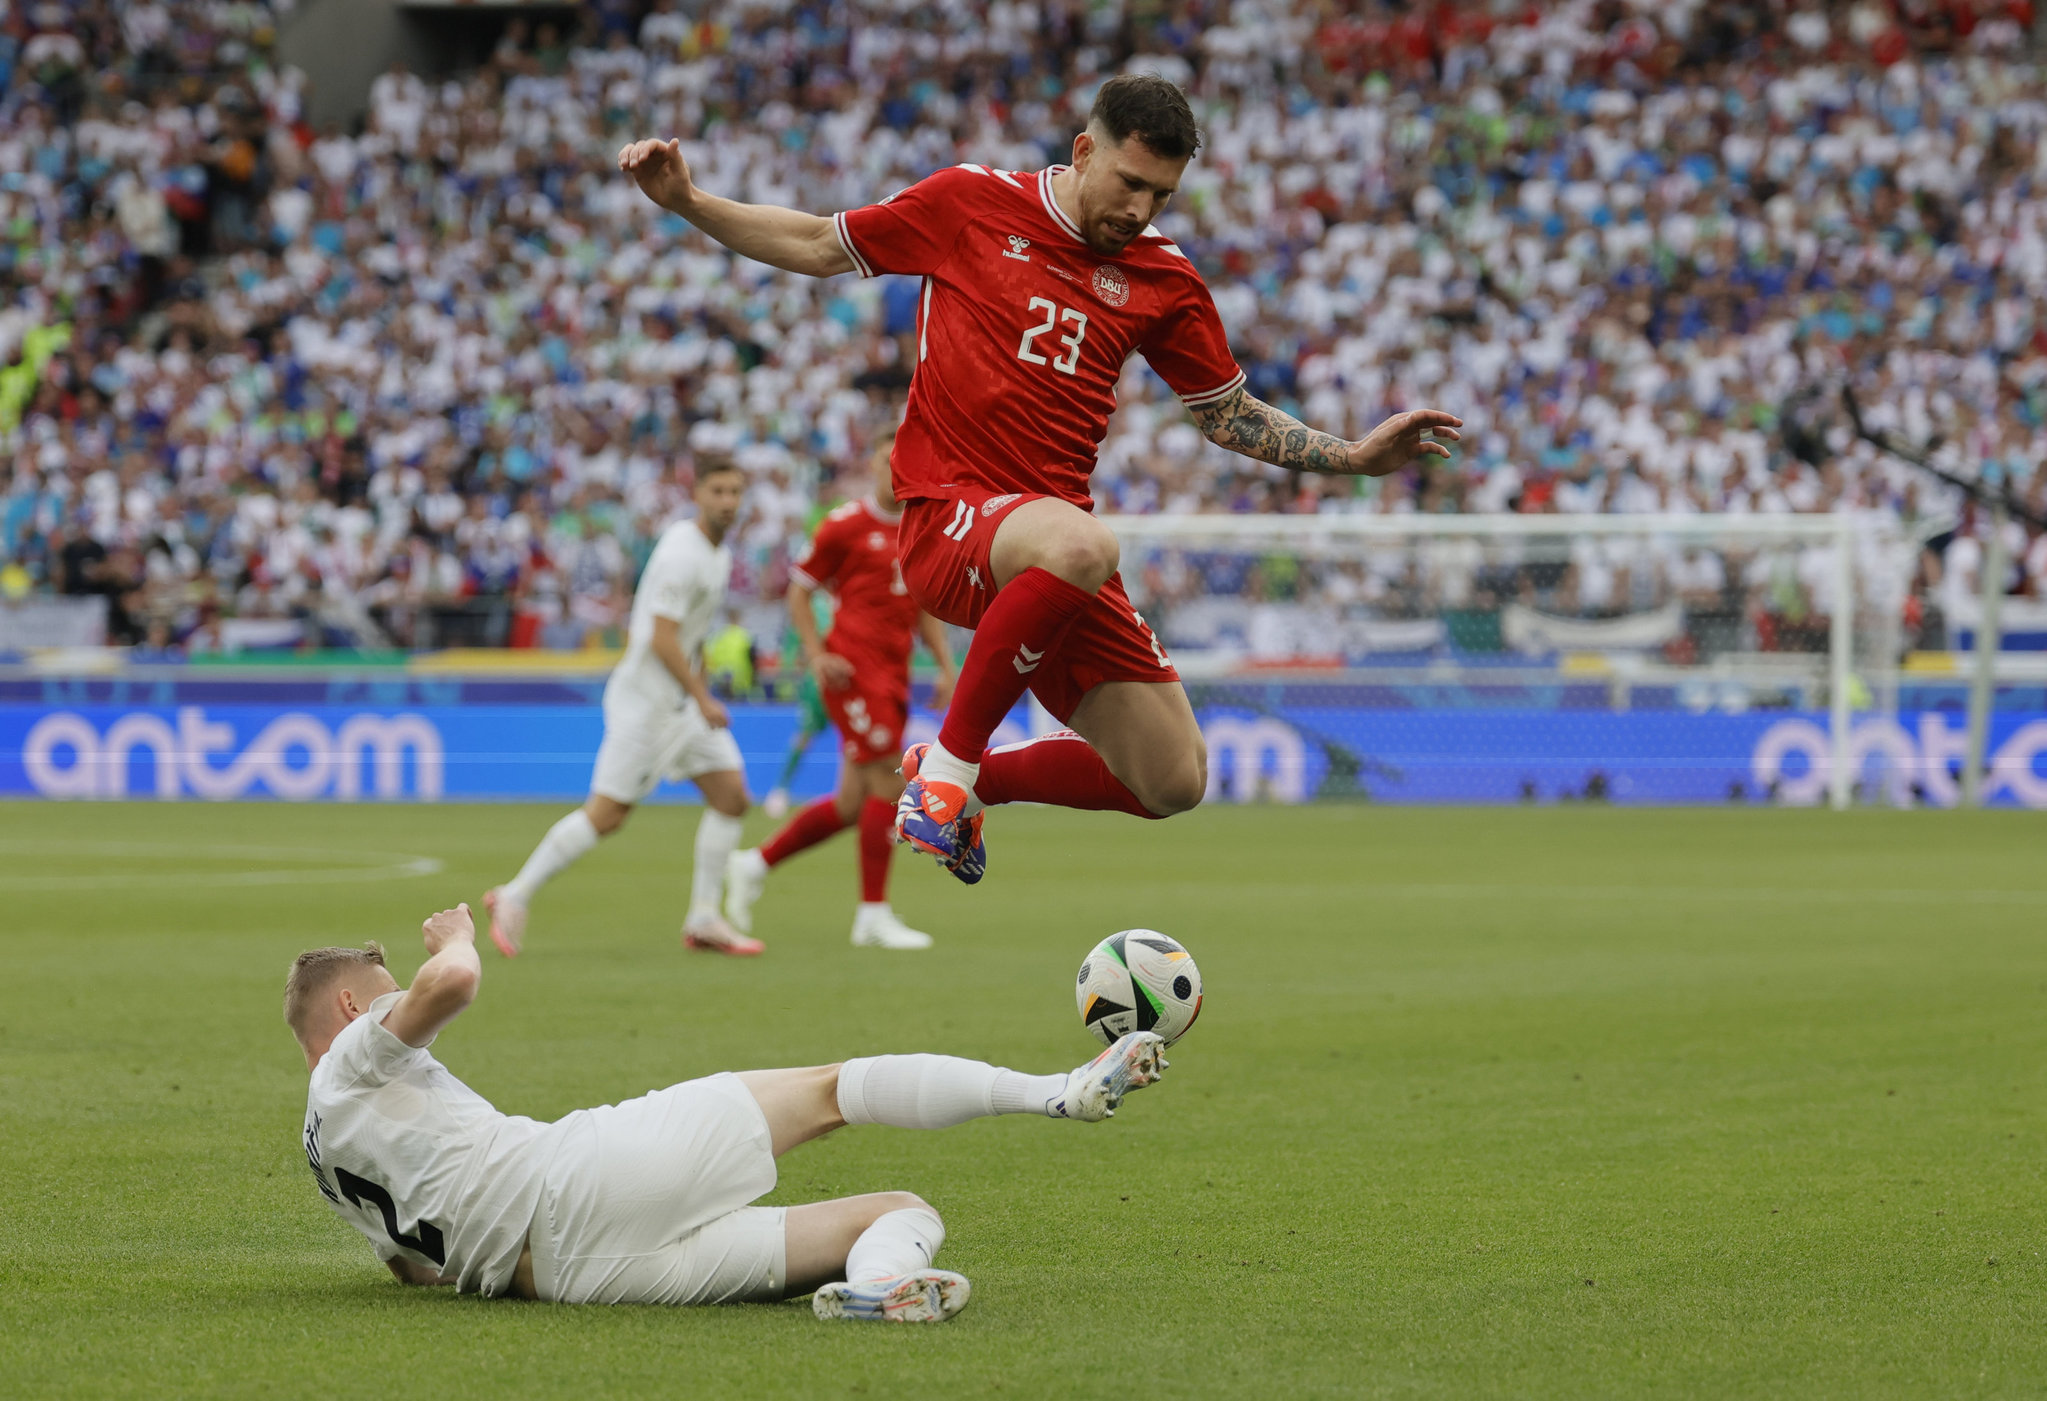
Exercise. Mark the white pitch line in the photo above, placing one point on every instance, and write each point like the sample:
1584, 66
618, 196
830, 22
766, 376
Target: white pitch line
390, 865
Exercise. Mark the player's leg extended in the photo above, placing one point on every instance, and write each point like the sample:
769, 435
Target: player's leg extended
872, 1255
1048, 558
565, 843
939, 1092
1135, 747
746, 874
725, 804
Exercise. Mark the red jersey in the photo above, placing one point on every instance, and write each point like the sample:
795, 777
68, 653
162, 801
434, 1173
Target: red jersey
853, 555
1023, 329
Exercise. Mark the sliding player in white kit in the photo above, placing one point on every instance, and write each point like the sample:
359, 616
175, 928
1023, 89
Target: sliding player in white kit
643, 1202
660, 721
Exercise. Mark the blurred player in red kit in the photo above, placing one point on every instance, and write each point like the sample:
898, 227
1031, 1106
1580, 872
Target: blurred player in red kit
863, 676
1037, 288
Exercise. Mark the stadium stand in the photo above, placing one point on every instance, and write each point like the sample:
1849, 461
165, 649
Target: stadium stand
437, 380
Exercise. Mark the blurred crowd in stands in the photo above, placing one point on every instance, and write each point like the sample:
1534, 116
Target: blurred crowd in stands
442, 378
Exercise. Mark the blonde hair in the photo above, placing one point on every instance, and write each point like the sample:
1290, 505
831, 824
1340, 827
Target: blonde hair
314, 971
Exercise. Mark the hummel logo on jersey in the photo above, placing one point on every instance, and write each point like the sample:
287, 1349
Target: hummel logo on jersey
1025, 654
1016, 249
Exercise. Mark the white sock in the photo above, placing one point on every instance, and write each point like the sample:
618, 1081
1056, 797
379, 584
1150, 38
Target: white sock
936, 1092
567, 842
717, 837
941, 765
896, 1244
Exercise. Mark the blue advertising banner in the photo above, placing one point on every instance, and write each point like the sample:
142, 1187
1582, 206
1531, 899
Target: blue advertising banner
1285, 753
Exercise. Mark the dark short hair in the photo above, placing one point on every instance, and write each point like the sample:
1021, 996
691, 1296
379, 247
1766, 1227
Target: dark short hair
710, 464
1150, 108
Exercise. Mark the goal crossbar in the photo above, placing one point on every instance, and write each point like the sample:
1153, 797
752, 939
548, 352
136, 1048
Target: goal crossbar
1289, 533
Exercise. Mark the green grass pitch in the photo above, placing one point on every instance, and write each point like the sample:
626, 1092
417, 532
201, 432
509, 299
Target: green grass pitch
1522, 1102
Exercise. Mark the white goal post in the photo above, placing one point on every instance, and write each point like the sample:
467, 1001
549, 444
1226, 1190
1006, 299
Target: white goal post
1322, 537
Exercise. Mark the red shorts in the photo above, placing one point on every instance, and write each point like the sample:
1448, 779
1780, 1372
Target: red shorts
870, 713
944, 550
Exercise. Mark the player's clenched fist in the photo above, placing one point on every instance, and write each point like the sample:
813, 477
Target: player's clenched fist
448, 927
659, 169
1402, 438
833, 672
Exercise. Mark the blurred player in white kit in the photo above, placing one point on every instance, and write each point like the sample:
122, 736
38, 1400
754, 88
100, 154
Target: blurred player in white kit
660, 721
647, 1201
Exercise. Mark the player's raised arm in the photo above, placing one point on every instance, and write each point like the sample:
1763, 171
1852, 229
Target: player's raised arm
1248, 425
766, 233
445, 984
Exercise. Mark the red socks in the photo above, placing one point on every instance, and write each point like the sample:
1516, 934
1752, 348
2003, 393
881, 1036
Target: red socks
1060, 768
1028, 620
811, 825
814, 822
877, 847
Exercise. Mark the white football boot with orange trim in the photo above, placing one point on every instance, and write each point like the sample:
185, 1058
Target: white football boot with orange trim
1094, 1090
922, 1296
507, 921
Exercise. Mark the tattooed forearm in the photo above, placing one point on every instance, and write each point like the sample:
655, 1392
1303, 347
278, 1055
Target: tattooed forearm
1256, 429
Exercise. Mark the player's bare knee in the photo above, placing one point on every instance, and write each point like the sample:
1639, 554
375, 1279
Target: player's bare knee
901, 1201
1085, 556
606, 815
1178, 790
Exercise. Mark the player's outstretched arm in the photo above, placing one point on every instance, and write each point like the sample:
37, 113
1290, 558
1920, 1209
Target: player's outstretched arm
445, 984
766, 233
1255, 428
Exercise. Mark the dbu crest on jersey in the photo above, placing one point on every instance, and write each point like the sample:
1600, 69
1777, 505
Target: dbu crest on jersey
1111, 285
996, 503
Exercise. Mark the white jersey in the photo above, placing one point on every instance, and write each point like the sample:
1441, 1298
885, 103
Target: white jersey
417, 1161
684, 581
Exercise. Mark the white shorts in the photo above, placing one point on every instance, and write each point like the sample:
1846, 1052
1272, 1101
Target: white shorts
646, 1202
642, 747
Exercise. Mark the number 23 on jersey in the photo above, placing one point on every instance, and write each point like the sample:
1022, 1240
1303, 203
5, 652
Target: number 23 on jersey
1057, 318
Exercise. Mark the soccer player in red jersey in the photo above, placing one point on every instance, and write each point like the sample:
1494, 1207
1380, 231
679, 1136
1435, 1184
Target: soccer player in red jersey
863, 676
1037, 288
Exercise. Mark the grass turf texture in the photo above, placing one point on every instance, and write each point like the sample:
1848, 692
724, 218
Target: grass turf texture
1518, 1102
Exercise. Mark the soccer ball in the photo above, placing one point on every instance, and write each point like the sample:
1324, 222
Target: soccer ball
1138, 980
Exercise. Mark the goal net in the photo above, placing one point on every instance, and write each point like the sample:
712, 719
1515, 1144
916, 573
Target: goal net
1544, 658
